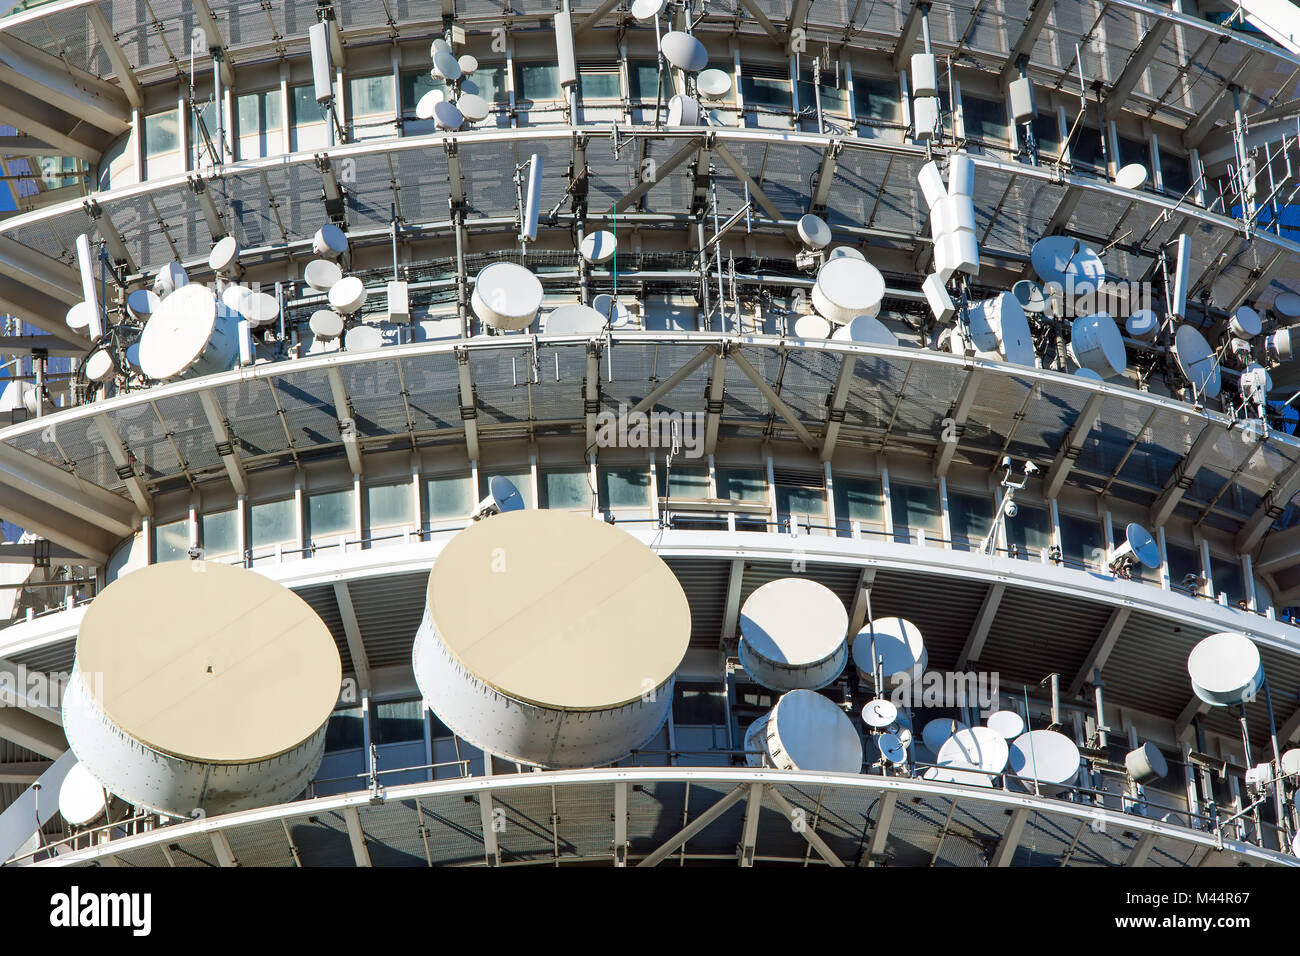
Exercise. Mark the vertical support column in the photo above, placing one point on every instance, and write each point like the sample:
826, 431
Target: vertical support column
1248, 578
299, 513
1164, 559
832, 519
945, 520
241, 526
888, 510
416, 510
357, 511
1207, 570
771, 493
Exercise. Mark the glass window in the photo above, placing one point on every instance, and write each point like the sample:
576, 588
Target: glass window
220, 532
641, 79
270, 523
699, 704
203, 120
306, 118
1030, 532
330, 514
449, 497
344, 730
522, 480
568, 488
770, 91
162, 133
913, 507
801, 502
858, 499
741, 484
539, 81
970, 517
1184, 564
625, 486
1134, 151
396, 721
1175, 172
371, 95
415, 85
876, 99
1082, 543
985, 119
171, 541
258, 124
1085, 148
491, 82
1047, 133
833, 99
1228, 579
389, 505
684, 482
600, 83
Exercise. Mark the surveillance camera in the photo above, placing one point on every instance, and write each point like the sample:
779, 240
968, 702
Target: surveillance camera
1030, 468
1006, 461
1012, 508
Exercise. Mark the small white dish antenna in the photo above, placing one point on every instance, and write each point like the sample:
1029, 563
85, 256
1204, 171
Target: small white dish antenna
170, 278
468, 64
683, 111
1095, 343
936, 731
684, 51
82, 799
899, 647
879, 713
1138, 547
473, 107
100, 367
1226, 669
347, 295
806, 731
330, 242
80, 316
845, 252
1245, 323
892, 749
1143, 325
502, 496
1287, 305
1068, 263
1197, 361
1006, 723
1291, 762
1146, 763
573, 320
142, 303
974, 748
447, 116
811, 327
326, 324
506, 296
1046, 756
865, 330
598, 247
645, 10
261, 309
1132, 176
224, 258
615, 312
793, 635
446, 66
439, 45
847, 288
713, 84
322, 274
813, 231
1030, 295
1088, 375
424, 108
363, 338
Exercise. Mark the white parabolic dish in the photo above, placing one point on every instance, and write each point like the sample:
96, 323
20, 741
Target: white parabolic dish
506, 296
1225, 669
81, 797
807, 731
847, 288
899, 646
551, 637
190, 333
974, 748
215, 697
793, 634
1197, 360
864, 330
1045, 756
684, 51
574, 320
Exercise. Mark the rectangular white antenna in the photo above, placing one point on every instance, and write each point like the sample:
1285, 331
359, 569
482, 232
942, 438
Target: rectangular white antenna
87, 269
321, 73
1182, 267
568, 66
533, 202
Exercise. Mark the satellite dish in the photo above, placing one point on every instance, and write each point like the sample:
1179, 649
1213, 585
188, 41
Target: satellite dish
999, 329
879, 713
1146, 763
468, 64
1143, 325
142, 303
1046, 756
847, 288
1006, 723
446, 66
502, 496
80, 316
713, 84
645, 10
969, 778
898, 645
806, 731
811, 327
133, 357
684, 51
473, 107
468, 87
974, 748
1226, 669
865, 330
574, 320
260, 308
326, 324
170, 278
322, 274
845, 252
329, 241
1030, 295
1088, 375
447, 116
1291, 762
424, 108
100, 367
1068, 263
1245, 323
683, 111
1138, 546
792, 635
82, 799
1132, 176
191, 334
235, 296
615, 313
347, 295
755, 743
363, 338
1197, 361
892, 749
439, 45
506, 296
224, 259
813, 231
1287, 305
934, 733
598, 247
1095, 343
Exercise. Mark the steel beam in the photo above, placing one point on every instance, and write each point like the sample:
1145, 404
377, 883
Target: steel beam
356, 836
755, 190
713, 402
749, 831
347, 423
51, 80
1183, 722
40, 272
352, 633
784, 410
731, 611
959, 413
672, 381
1142, 849
1101, 648
839, 398
227, 447
468, 403
902, 57
24, 728
593, 18
884, 820
204, 15
1006, 848
808, 833
1137, 63
1024, 45
1269, 510
620, 823
591, 393
49, 344
979, 630
821, 193
24, 773
1068, 453
661, 172
1182, 477
122, 71
698, 824
65, 492
24, 552
125, 463
221, 847
761, 19
486, 813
